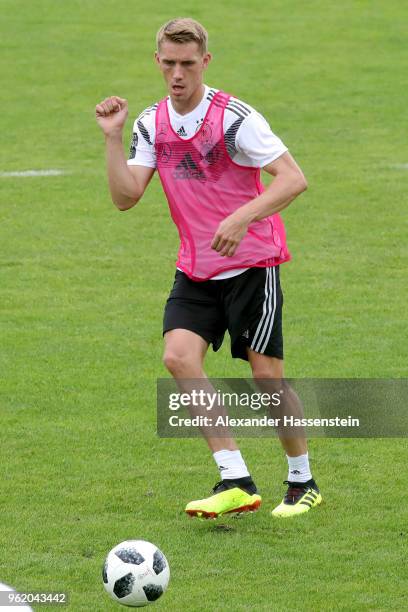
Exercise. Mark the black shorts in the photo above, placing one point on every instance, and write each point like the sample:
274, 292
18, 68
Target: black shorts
249, 305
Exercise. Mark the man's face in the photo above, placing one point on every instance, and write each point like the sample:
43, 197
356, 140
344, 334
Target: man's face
182, 65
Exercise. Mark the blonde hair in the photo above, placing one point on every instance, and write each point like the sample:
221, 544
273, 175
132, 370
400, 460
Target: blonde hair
183, 30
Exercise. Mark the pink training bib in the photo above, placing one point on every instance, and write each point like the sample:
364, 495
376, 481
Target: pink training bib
203, 185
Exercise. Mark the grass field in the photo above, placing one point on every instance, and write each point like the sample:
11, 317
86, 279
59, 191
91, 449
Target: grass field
83, 288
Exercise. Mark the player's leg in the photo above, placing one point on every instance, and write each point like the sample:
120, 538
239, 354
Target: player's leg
236, 492
191, 322
302, 492
184, 356
184, 353
253, 302
268, 371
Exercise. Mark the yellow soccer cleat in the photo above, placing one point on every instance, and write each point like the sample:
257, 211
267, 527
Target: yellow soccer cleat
229, 498
300, 498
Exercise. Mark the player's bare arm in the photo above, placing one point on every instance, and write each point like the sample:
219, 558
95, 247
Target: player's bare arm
127, 185
288, 183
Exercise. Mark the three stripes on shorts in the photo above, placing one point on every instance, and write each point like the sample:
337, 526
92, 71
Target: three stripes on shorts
265, 326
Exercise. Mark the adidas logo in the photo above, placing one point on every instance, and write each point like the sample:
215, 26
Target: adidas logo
188, 169
182, 132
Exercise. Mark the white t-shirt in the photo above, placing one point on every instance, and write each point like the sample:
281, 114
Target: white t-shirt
248, 137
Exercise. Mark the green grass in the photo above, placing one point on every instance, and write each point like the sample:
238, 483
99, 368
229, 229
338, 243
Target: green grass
83, 288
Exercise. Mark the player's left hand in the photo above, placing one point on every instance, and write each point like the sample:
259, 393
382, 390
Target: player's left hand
229, 234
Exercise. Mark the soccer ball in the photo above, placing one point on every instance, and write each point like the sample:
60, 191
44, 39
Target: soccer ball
135, 573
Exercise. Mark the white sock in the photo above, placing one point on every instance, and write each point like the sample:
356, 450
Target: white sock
299, 469
231, 464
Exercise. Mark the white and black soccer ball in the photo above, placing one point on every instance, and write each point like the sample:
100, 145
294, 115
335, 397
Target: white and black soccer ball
135, 573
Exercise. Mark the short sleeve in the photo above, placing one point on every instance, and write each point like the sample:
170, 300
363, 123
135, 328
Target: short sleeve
256, 141
142, 151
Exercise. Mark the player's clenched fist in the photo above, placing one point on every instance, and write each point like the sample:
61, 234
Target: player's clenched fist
111, 114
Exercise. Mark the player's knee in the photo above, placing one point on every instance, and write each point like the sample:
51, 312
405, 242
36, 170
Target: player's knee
267, 380
178, 364
262, 373
268, 369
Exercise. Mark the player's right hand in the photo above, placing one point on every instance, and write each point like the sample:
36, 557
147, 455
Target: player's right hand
111, 114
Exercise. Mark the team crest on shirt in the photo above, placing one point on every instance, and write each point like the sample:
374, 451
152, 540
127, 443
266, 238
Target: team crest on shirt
205, 135
210, 153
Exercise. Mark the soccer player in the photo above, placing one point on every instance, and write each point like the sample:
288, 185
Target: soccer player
208, 148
